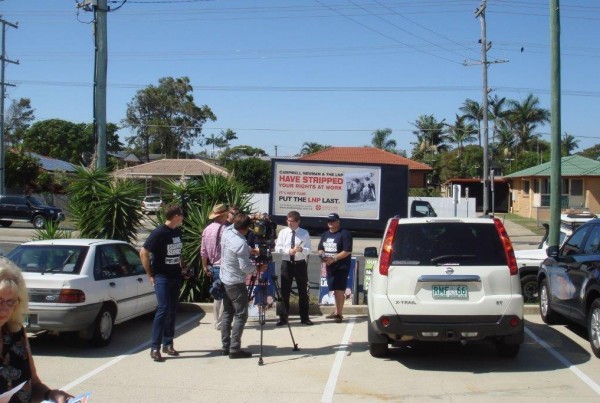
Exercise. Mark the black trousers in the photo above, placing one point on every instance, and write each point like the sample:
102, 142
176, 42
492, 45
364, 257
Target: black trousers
298, 271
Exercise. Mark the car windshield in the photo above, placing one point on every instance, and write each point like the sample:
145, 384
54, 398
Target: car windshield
152, 199
49, 258
443, 243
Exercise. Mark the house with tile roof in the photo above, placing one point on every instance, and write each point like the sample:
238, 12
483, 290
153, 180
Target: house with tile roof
417, 171
171, 169
580, 187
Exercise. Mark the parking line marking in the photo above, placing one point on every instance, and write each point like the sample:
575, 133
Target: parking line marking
586, 379
119, 358
337, 364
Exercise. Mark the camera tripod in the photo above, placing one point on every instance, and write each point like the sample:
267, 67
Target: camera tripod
258, 288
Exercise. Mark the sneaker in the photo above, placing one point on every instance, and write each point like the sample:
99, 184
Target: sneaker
240, 354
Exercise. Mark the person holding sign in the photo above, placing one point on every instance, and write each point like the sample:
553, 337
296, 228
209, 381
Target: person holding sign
19, 381
335, 249
294, 245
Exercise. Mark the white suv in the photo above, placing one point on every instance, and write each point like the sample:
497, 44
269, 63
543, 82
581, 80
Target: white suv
445, 279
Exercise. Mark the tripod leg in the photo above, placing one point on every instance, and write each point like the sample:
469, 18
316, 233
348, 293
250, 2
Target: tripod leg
283, 310
262, 310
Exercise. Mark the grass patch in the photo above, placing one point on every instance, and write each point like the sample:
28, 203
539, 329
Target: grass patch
529, 223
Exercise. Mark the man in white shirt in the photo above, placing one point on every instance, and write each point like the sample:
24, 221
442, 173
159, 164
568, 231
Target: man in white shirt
294, 245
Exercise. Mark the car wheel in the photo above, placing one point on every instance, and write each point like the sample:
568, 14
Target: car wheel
103, 327
6, 223
506, 350
38, 222
593, 326
378, 346
547, 313
529, 288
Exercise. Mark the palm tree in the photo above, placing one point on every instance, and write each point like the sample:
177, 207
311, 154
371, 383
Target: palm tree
461, 132
216, 141
310, 148
497, 113
431, 136
227, 136
568, 144
380, 140
524, 118
474, 114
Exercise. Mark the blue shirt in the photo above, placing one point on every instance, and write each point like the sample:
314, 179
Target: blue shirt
235, 257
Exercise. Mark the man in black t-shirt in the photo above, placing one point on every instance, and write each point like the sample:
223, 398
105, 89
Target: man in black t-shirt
161, 258
335, 249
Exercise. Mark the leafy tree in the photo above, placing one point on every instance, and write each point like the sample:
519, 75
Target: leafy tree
166, 118
473, 113
237, 152
253, 172
21, 169
311, 148
461, 132
66, 140
568, 144
592, 152
381, 140
18, 118
105, 207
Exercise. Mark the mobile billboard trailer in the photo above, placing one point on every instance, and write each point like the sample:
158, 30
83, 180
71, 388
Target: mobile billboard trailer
364, 195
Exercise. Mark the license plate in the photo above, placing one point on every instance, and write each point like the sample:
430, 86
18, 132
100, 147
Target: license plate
450, 292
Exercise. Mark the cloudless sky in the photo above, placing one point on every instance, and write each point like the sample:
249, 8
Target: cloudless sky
284, 72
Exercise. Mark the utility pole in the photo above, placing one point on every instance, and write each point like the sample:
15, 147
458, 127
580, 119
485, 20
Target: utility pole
3, 84
555, 126
485, 47
100, 10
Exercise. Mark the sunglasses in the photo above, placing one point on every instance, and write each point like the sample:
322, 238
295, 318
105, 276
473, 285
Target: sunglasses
10, 303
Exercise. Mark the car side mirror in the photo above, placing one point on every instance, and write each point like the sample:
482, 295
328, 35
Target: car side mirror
370, 251
552, 251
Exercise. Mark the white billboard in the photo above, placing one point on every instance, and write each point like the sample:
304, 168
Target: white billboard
315, 190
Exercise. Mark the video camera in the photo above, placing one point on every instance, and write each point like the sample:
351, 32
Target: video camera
264, 238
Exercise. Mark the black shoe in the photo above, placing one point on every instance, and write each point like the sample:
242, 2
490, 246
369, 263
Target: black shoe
169, 350
282, 322
240, 354
155, 355
307, 322
225, 352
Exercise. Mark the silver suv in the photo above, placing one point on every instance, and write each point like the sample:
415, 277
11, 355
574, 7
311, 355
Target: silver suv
445, 279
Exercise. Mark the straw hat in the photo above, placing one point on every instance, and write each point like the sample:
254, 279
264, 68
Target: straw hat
218, 210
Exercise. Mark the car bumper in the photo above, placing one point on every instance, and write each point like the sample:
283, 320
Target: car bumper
61, 318
450, 328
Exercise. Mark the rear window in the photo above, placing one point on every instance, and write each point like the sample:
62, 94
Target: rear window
49, 258
465, 244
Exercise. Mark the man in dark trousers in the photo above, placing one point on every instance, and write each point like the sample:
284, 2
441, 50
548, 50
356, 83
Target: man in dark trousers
294, 245
335, 249
161, 258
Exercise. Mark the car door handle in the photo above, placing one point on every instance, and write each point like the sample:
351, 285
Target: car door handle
112, 284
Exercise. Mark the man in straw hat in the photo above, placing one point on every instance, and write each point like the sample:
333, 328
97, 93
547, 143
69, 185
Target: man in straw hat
210, 251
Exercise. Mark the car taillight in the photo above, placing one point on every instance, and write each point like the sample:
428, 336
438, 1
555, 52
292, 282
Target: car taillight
70, 296
508, 248
386, 250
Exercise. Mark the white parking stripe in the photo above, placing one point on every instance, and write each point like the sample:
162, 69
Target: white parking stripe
586, 379
337, 364
119, 358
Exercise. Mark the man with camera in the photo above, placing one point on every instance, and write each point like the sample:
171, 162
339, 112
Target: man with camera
294, 245
235, 266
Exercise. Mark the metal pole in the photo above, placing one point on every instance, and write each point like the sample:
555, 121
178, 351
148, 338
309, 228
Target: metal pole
555, 164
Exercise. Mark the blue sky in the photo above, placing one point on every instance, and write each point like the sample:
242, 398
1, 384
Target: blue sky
284, 72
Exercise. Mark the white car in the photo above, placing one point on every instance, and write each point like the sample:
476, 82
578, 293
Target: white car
83, 285
529, 260
151, 204
445, 279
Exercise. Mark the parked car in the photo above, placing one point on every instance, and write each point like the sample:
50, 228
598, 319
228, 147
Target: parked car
151, 204
27, 209
529, 260
569, 282
445, 279
83, 285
